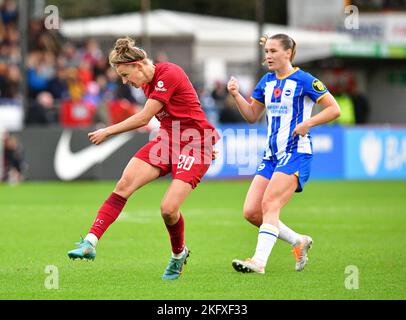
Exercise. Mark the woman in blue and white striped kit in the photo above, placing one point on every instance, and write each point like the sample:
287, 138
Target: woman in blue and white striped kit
287, 94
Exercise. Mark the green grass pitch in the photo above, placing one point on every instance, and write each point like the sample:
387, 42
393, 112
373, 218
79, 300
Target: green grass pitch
361, 224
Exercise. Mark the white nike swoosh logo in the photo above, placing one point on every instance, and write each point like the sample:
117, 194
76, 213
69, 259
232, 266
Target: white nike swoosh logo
69, 165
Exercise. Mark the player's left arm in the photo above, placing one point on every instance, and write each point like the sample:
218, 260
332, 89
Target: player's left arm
331, 110
138, 120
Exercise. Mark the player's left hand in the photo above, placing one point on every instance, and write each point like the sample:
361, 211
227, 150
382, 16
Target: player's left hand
98, 136
301, 129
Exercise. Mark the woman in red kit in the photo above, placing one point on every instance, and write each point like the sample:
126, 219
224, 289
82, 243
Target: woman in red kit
183, 146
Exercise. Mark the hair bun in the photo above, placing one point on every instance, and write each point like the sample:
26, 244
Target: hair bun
263, 39
123, 45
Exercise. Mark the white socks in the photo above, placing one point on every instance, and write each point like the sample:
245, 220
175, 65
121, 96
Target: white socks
267, 236
288, 235
179, 255
92, 239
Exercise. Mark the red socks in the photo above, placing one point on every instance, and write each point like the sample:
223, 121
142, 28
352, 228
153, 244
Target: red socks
111, 209
107, 214
177, 235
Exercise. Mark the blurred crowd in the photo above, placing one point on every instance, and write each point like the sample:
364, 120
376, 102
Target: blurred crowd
344, 86
9, 51
71, 84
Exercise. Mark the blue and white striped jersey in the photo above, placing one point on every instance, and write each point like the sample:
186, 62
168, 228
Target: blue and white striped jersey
288, 101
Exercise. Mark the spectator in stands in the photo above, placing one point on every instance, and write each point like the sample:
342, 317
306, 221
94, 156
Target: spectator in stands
85, 72
38, 75
229, 114
71, 55
93, 94
14, 160
100, 67
9, 12
13, 82
92, 52
42, 39
360, 103
219, 94
112, 81
58, 85
42, 111
209, 106
10, 79
75, 86
346, 104
161, 56
3, 80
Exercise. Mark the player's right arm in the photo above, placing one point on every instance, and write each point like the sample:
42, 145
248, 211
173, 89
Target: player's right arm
250, 111
138, 120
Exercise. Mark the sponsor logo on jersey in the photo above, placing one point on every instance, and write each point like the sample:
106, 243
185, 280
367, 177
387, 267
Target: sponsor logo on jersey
277, 109
318, 86
160, 86
161, 115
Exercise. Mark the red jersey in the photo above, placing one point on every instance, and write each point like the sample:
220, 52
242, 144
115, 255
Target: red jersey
171, 86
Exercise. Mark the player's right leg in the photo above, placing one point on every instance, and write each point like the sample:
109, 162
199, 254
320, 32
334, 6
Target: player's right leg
252, 205
135, 175
277, 193
253, 214
176, 194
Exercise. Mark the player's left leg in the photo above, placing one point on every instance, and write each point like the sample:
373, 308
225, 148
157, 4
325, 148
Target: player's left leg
170, 205
253, 209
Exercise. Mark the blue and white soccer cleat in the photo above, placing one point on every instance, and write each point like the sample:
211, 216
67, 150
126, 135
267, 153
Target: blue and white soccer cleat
85, 251
175, 267
300, 251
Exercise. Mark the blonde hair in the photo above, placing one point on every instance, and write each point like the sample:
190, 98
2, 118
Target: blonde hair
125, 51
286, 41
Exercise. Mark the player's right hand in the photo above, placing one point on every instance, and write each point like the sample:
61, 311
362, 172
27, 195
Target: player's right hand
233, 87
98, 136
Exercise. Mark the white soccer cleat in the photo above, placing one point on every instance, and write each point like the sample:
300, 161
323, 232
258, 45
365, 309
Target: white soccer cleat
300, 251
248, 265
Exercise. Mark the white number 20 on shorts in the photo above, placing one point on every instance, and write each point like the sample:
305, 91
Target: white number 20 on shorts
185, 162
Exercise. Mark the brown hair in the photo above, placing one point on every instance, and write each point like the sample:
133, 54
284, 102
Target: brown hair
286, 41
125, 51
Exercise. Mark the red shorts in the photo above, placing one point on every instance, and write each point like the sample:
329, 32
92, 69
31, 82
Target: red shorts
187, 162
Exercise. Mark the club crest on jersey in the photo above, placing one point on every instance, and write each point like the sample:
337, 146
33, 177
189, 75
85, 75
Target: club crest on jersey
318, 86
288, 92
160, 86
261, 167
